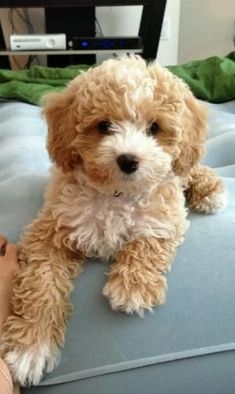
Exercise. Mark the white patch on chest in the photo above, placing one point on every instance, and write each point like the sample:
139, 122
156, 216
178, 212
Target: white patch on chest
102, 224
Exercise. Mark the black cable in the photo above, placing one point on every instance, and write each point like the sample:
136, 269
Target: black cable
99, 27
18, 65
26, 19
11, 20
31, 31
13, 30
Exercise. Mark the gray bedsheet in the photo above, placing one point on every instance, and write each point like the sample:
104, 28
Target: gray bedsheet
185, 346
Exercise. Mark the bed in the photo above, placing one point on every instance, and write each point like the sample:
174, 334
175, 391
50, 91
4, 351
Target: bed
185, 346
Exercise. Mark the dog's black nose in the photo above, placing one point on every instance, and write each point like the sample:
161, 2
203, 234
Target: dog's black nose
128, 163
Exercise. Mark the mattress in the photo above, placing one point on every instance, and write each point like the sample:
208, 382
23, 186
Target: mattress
185, 346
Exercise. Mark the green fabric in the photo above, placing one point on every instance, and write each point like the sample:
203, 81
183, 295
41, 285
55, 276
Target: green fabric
30, 85
212, 79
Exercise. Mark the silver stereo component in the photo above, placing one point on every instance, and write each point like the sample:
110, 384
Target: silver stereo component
50, 42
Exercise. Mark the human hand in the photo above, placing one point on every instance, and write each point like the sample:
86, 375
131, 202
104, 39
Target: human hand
8, 266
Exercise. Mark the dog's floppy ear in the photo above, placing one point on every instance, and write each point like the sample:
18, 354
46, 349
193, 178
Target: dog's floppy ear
191, 117
194, 128
61, 120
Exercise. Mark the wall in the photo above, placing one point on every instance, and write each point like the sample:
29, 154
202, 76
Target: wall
15, 62
207, 28
37, 19
168, 49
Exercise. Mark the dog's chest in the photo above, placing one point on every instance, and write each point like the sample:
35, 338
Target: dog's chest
101, 225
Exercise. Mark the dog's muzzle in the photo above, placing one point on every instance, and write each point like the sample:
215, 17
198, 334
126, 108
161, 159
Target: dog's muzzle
128, 163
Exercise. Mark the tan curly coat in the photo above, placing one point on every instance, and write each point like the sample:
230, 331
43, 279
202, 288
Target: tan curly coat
92, 208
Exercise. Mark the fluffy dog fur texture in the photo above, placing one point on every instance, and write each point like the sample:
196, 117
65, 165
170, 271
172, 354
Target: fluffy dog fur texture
93, 208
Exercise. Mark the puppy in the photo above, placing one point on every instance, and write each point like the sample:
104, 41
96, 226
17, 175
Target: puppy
126, 139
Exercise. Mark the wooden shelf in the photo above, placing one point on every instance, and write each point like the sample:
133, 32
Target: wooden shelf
149, 31
65, 52
71, 3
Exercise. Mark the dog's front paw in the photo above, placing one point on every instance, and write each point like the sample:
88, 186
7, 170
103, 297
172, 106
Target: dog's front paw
28, 363
28, 352
206, 192
212, 203
135, 296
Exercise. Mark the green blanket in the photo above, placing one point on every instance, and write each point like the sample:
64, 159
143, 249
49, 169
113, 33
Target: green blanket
212, 79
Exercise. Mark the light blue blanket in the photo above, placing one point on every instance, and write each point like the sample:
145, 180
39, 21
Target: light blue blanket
197, 323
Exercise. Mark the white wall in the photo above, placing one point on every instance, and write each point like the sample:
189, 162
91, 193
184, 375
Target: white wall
207, 28
168, 49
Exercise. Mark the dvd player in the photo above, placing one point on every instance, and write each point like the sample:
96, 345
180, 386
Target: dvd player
105, 43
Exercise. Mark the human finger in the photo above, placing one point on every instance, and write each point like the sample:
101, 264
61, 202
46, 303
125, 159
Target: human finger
3, 242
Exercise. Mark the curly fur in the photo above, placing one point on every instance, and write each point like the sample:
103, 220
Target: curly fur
93, 209
206, 192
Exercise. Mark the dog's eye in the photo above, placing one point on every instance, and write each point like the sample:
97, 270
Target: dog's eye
153, 129
104, 127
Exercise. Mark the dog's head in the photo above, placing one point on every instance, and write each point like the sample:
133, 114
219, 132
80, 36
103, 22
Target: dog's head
126, 124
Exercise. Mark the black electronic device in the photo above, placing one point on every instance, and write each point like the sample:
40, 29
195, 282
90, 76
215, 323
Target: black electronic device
73, 22
105, 43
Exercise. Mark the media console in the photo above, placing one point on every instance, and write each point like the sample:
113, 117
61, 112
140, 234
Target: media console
71, 10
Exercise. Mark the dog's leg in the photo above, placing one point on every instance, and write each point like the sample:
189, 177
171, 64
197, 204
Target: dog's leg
136, 280
40, 306
205, 192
